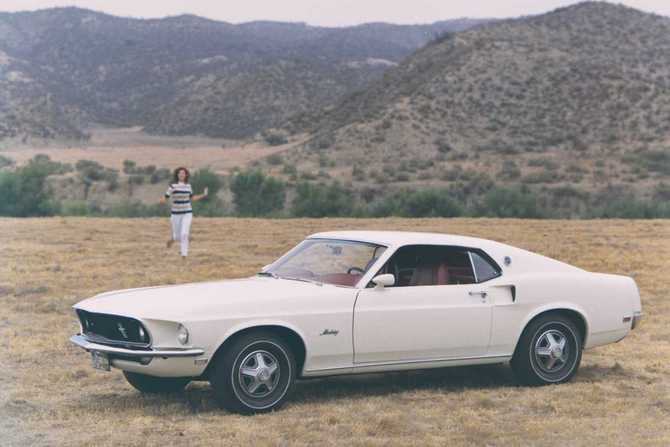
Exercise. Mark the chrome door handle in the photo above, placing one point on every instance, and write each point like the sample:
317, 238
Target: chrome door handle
480, 293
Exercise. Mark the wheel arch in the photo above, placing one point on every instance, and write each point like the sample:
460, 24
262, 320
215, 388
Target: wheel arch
578, 316
289, 334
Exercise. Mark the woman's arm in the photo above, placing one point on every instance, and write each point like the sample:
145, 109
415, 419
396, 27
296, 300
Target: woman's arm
166, 195
200, 196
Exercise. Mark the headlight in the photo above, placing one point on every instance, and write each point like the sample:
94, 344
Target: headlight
182, 334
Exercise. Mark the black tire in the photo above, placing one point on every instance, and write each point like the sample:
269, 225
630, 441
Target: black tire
539, 359
152, 385
267, 382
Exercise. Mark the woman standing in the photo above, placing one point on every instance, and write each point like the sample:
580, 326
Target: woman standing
181, 193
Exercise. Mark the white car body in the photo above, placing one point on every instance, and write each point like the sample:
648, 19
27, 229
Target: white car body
370, 329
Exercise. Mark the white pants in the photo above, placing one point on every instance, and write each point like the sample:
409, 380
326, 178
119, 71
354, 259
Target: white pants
181, 228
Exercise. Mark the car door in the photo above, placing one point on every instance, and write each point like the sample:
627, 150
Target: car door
433, 320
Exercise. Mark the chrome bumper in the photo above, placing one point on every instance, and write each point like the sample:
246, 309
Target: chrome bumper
81, 341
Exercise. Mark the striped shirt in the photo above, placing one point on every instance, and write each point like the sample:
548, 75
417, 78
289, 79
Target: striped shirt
181, 194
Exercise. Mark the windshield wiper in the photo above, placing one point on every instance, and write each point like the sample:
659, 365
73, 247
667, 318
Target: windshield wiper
311, 281
270, 274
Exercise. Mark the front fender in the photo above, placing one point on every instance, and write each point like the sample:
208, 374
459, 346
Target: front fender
265, 322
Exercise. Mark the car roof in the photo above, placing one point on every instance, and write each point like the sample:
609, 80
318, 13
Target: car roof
521, 260
399, 238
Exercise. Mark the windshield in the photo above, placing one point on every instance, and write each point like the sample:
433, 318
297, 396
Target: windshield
329, 261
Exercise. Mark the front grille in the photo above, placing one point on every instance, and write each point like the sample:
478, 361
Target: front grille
114, 330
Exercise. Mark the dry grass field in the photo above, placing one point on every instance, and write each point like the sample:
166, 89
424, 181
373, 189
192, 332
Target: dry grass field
110, 147
49, 395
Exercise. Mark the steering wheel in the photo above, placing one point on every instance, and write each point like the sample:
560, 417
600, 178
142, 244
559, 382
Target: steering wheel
355, 269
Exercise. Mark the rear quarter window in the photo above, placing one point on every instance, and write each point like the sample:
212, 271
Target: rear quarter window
484, 268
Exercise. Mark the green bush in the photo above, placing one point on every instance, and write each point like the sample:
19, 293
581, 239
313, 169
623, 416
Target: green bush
91, 171
256, 194
509, 202
631, 208
432, 202
212, 206
321, 200
129, 166
26, 192
5, 162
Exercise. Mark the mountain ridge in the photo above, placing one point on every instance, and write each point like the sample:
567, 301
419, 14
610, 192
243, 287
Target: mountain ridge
170, 74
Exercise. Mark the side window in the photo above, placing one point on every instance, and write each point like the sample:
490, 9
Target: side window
484, 268
430, 265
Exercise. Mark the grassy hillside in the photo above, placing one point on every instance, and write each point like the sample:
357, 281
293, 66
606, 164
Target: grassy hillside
48, 390
578, 97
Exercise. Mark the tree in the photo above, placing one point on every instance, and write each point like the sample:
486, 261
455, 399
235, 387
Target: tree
321, 200
26, 192
206, 178
256, 194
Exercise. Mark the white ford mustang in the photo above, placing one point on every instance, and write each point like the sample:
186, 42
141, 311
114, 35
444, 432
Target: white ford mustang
355, 302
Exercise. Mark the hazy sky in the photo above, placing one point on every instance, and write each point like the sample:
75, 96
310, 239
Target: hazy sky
323, 12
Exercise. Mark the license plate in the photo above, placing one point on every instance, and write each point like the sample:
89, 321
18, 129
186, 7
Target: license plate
100, 361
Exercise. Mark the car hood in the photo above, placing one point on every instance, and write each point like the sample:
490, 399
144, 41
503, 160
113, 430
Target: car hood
200, 301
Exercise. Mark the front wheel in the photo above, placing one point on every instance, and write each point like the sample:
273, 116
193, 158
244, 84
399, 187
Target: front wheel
549, 351
151, 384
255, 374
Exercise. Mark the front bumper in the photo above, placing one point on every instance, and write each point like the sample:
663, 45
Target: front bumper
83, 343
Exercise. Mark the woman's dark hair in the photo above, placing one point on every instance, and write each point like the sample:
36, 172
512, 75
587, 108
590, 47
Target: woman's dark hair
176, 174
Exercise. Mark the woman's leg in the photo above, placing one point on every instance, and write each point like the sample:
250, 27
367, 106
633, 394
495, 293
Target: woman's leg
185, 231
175, 220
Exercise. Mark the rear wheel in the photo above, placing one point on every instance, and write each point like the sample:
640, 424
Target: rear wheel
549, 351
255, 374
151, 384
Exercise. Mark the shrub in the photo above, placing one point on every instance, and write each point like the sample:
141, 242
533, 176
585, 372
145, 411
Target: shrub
321, 200
631, 208
432, 202
509, 202
136, 179
442, 145
429, 203
546, 163
358, 173
129, 166
290, 170
5, 162
256, 194
275, 137
275, 159
509, 171
51, 167
545, 176
25, 191
206, 178
160, 175
91, 171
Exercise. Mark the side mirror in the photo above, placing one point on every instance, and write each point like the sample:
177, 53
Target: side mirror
385, 280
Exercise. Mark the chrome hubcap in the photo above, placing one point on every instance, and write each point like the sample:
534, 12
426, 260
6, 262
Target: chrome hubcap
259, 373
551, 351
